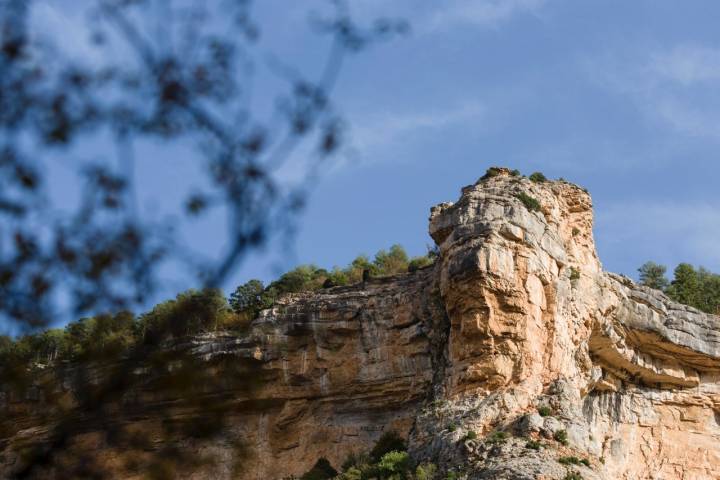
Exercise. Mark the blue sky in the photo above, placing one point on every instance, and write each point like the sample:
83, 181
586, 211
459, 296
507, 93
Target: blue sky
620, 97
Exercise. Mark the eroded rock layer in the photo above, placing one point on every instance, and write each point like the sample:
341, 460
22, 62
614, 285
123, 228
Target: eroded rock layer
514, 319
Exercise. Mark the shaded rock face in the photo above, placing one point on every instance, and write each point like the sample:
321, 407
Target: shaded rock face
349, 363
515, 317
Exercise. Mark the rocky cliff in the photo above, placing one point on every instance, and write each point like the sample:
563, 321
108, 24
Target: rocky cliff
515, 329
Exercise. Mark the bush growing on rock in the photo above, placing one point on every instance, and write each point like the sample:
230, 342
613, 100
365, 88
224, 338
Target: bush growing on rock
393, 261
425, 471
537, 177
394, 465
530, 203
388, 460
533, 445
574, 273
417, 263
351, 473
388, 442
544, 411
561, 436
497, 437
491, 172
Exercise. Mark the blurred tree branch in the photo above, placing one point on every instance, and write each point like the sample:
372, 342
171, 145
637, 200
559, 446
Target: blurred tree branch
176, 71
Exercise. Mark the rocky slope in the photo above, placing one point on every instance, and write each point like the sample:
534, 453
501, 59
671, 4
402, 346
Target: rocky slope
515, 318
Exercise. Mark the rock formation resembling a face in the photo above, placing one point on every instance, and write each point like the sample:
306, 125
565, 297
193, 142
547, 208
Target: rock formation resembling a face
503, 269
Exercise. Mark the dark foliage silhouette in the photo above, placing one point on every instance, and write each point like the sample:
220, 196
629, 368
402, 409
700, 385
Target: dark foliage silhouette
176, 72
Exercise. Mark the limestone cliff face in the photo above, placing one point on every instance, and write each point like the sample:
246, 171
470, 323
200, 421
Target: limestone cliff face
631, 376
515, 314
347, 363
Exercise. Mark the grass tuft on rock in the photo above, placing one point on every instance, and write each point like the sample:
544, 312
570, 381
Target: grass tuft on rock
530, 203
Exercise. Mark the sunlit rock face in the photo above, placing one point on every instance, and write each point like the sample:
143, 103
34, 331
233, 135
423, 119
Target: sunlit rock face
516, 314
631, 377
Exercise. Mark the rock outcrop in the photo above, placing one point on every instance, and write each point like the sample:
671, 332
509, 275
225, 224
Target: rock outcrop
630, 376
515, 329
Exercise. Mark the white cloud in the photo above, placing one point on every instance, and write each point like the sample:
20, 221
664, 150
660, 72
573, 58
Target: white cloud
477, 13
380, 130
374, 137
677, 87
663, 230
432, 16
687, 64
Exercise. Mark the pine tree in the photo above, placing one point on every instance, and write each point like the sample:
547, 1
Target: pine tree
709, 294
685, 287
653, 275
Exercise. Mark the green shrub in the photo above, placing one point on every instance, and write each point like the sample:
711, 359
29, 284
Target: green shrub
394, 465
533, 445
452, 427
393, 261
491, 172
425, 471
469, 435
574, 273
561, 436
537, 177
388, 442
544, 411
322, 470
573, 476
515, 173
530, 203
351, 473
417, 263
496, 437
569, 460
300, 279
